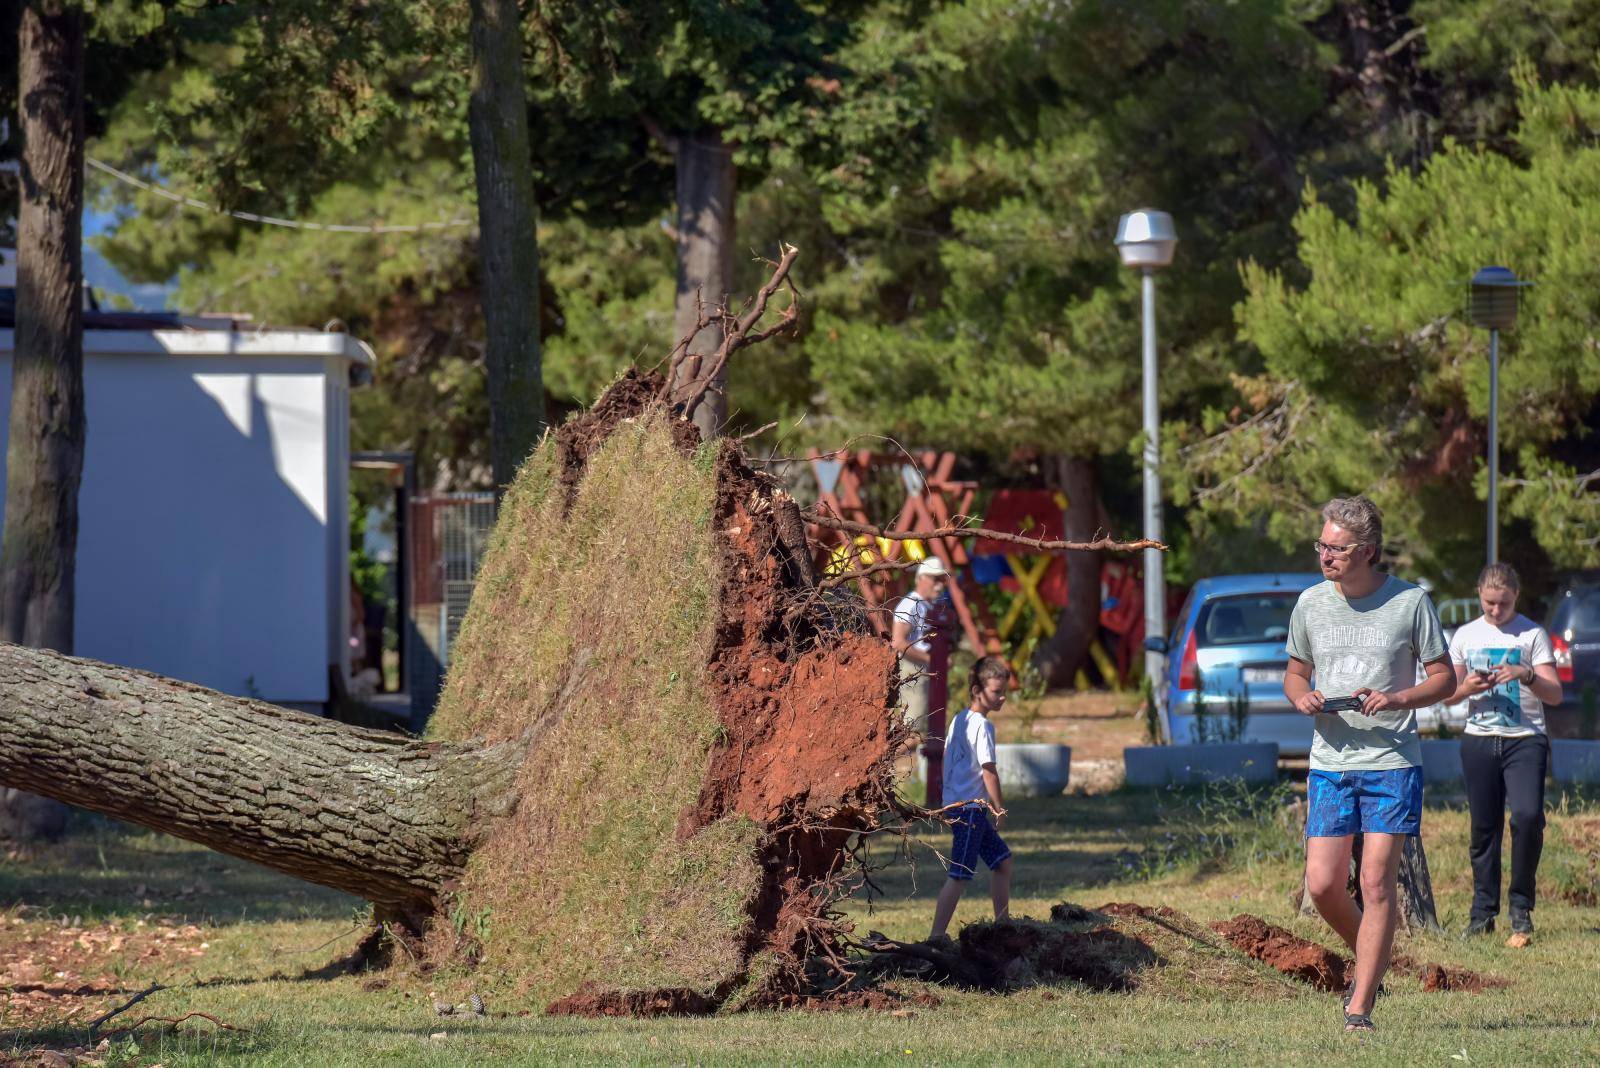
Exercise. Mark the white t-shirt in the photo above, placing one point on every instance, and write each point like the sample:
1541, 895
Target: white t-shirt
913, 608
968, 746
1510, 710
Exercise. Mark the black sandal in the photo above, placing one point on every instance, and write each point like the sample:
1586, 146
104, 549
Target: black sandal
1358, 1021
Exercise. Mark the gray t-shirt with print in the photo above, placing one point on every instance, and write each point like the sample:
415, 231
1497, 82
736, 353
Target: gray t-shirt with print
1373, 642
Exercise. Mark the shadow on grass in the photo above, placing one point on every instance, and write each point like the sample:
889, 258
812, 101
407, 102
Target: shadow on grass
104, 869
1057, 844
193, 1038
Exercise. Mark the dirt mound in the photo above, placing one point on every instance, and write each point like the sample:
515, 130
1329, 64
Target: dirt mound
647, 622
1119, 947
1317, 965
1440, 977
1295, 957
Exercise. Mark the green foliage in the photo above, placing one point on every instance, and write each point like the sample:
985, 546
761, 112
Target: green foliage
369, 576
1002, 319
1473, 46
1374, 378
952, 173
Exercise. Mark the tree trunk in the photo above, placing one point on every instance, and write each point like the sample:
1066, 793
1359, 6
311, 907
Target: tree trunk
371, 813
508, 242
1059, 656
705, 257
44, 456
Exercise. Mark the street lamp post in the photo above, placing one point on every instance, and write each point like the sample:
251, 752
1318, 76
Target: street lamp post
1145, 241
1494, 306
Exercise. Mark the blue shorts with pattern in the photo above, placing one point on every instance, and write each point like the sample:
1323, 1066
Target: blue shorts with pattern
973, 837
1341, 803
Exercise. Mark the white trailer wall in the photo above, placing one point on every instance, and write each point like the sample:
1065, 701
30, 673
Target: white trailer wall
213, 524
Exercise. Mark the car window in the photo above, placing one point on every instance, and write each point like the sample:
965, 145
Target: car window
1578, 609
1245, 620
1178, 620
1585, 609
1559, 615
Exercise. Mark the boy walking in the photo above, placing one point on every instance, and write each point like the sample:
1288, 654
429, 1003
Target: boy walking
1361, 633
970, 776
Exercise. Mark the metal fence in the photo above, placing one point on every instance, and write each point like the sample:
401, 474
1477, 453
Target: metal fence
449, 535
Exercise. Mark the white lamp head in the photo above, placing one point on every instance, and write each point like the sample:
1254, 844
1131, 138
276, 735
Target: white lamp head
1146, 238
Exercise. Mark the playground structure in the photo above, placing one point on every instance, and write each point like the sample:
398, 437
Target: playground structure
919, 490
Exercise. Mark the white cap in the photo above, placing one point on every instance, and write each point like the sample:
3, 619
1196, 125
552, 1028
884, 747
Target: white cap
932, 565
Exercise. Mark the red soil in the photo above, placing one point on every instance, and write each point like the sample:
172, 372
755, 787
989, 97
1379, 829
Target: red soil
1290, 954
1324, 969
1444, 977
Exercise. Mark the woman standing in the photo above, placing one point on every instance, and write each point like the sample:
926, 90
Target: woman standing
1506, 668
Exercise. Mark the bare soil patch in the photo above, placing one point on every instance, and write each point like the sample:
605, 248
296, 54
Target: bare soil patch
1118, 947
55, 974
1320, 967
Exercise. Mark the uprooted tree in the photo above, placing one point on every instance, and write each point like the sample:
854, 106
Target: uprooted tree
659, 741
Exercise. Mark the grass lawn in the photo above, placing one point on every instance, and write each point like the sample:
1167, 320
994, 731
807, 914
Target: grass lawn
114, 910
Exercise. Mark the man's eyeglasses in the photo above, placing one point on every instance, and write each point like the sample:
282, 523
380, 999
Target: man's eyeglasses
1341, 551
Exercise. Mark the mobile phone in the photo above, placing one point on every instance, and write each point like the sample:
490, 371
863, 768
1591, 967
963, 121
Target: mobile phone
1341, 704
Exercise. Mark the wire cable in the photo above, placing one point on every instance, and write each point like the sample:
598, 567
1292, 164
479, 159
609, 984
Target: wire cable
270, 220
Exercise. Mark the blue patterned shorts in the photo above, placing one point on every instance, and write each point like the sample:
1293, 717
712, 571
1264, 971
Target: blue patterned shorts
974, 837
1353, 802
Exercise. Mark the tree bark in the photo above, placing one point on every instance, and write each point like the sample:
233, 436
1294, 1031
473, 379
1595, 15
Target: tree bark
705, 191
372, 813
1058, 657
44, 456
508, 241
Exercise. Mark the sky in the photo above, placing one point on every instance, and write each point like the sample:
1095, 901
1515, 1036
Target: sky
104, 277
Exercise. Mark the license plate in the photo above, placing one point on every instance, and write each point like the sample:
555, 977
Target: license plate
1263, 675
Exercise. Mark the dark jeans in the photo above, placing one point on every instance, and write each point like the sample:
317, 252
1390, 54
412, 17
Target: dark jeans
1501, 771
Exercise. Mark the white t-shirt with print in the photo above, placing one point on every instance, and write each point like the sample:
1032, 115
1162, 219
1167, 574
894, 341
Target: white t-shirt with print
968, 746
913, 609
1510, 710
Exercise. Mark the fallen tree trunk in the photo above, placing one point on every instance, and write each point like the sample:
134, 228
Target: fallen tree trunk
368, 812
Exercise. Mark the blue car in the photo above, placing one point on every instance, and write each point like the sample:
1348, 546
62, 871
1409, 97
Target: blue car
1226, 654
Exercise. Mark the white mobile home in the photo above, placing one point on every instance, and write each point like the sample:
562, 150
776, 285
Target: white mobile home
213, 518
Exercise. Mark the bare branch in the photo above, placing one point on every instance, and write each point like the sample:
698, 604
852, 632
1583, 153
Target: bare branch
94, 1024
1577, 483
883, 565
1036, 544
736, 335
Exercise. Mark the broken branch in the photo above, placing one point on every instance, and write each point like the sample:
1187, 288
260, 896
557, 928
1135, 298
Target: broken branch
736, 334
95, 1023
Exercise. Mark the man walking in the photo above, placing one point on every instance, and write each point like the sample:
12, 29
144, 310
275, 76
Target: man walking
1506, 668
1359, 636
909, 638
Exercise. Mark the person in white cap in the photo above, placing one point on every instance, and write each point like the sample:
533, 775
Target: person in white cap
910, 640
